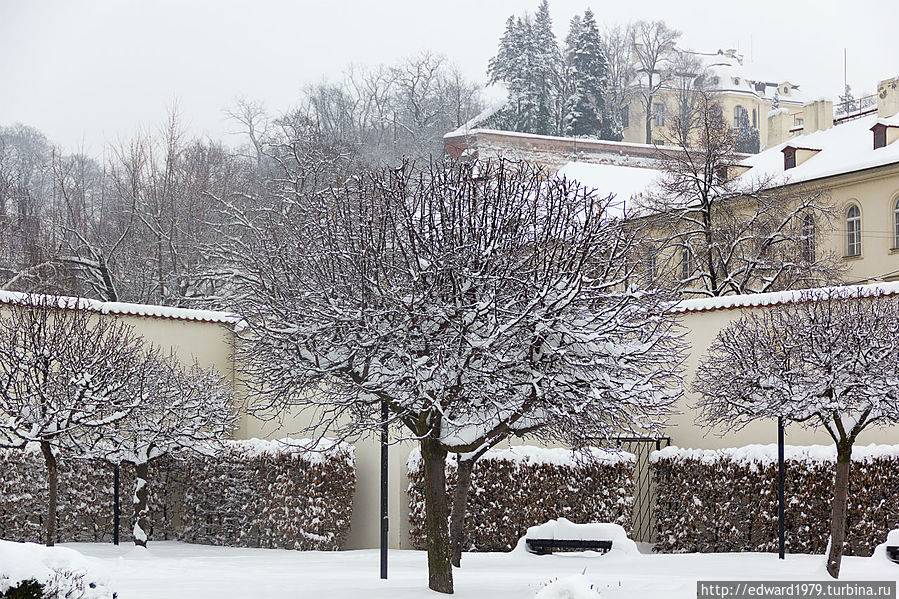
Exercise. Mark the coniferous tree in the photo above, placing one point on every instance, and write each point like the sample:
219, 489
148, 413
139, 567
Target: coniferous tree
588, 74
547, 60
528, 61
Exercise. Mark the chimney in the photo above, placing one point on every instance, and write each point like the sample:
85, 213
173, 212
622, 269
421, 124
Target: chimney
888, 97
780, 121
817, 116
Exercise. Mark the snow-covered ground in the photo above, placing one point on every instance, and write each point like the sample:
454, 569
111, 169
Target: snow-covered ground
171, 569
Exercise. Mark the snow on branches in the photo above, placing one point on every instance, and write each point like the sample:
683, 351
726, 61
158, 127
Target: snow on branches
829, 360
477, 301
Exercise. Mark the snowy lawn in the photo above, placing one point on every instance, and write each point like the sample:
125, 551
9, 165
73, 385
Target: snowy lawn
172, 569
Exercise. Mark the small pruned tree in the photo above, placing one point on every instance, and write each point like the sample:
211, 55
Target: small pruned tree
829, 359
474, 301
187, 409
65, 375
723, 233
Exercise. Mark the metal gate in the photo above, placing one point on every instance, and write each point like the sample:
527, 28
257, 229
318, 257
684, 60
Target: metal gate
644, 527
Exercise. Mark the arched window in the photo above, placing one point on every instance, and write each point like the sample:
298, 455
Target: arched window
853, 231
896, 223
808, 233
741, 117
686, 264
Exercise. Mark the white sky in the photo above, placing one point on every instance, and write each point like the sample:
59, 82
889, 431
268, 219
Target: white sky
85, 72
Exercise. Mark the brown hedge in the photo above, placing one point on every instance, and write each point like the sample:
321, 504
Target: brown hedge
246, 498
510, 494
712, 501
242, 497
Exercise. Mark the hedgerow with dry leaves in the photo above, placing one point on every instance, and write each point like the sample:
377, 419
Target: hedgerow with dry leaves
726, 500
251, 494
514, 489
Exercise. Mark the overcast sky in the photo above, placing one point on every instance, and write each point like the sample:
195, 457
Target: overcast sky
85, 72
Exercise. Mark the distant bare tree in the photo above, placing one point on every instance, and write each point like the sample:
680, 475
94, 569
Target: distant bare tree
723, 234
653, 44
616, 45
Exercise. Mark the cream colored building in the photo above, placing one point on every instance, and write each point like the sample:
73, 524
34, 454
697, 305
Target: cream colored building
738, 88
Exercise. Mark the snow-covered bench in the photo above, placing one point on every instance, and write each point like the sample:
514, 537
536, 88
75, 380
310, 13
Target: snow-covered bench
563, 534
546, 546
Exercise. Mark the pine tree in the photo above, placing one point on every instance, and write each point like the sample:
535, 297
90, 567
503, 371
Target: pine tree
588, 76
847, 101
528, 62
775, 103
545, 70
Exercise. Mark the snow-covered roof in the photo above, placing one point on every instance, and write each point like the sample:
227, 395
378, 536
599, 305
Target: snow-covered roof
756, 300
626, 183
843, 148
126, 309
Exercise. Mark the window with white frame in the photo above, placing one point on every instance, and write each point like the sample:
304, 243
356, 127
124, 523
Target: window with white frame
658, 115
896, 223
853, 232
808, 232
686, 264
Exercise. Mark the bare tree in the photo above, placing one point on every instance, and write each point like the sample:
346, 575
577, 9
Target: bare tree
653, 44
617, 47
828, 360
475, 301
724, 234
179, 409
690, 90
63, 376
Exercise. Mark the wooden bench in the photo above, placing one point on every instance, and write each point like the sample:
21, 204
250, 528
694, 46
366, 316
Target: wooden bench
546, 546
893, 553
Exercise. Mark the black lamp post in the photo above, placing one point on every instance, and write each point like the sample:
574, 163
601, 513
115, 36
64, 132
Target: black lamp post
781, 476
384, 519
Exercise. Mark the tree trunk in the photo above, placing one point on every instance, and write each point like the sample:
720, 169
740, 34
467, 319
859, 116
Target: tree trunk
141, 503
460, 509
440, 570
52, 485
838, 516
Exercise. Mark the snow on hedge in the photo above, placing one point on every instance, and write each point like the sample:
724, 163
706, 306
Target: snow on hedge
312, 450
724, 500
63, 572
529, 454
767, 454
513, 489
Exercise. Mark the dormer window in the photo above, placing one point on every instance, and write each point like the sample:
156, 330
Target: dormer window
880, 137
786, 91
715, 81
789, 158
736, 81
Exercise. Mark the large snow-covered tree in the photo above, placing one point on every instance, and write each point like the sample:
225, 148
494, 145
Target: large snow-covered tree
829, 360
723, 234
587, 73
477, 301
528, 62
187, 409
64, 377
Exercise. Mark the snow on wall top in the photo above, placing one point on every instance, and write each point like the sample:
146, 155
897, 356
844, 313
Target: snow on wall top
309, 449
844, 148
755, 300
127, 309
767, 454
529, 454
